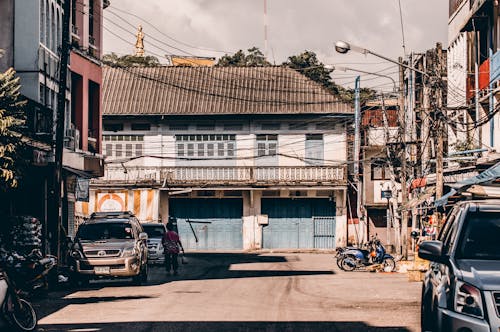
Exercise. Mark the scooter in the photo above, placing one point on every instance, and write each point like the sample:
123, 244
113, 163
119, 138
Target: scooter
30, 271
374, 257
17, 311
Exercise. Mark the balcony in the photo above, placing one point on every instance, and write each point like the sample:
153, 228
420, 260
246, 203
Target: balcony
196, 176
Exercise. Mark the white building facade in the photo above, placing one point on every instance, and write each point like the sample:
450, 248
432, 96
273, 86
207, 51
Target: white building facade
236, 171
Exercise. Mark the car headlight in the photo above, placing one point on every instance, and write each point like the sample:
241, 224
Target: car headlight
76, 254
468, 300
129, 252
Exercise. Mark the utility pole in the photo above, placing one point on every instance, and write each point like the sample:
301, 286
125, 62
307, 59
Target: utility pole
404, 189
61, 106
357, 148
438, 65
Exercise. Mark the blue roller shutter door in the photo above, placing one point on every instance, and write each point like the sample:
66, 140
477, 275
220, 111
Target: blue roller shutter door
216, 223
292, 223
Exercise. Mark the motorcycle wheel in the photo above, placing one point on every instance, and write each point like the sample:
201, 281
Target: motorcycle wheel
24, 316
348, 263
339, 262
389, 264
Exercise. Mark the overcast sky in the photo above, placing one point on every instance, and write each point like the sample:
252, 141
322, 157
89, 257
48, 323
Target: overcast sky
293, 26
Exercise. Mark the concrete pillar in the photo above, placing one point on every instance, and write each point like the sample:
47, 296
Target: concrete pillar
252, 231
340, 218
163, 206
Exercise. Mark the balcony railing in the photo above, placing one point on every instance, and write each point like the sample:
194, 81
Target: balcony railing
198, 175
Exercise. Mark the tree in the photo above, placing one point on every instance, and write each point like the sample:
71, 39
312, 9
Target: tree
254, 58
308, 64
11, 121
114, 60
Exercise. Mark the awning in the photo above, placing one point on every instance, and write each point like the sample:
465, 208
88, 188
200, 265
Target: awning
419, 199
488, 176
486, 191
78, 172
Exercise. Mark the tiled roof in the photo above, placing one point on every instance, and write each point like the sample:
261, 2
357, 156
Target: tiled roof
214, 90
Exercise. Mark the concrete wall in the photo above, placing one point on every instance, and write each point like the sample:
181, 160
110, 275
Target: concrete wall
7, 29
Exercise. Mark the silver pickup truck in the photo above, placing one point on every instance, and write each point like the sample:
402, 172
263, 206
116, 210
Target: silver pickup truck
110, 245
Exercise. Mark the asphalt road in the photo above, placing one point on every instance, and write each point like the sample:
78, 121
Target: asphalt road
241, 292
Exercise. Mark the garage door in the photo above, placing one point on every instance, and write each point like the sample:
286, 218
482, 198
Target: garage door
209, 224
299, 223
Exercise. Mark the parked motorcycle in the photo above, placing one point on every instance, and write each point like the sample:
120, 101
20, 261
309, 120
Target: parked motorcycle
17, 311
374, 256
30, 271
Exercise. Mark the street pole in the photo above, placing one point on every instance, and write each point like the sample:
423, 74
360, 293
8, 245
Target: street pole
440, 128
61, 106
404, 189
357, 148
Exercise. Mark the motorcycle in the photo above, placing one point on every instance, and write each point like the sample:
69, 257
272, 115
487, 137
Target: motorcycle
18, 311
373, 257
29, 271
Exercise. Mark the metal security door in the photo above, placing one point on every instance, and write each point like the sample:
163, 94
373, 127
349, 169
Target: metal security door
324, 232
209, 224
291, 221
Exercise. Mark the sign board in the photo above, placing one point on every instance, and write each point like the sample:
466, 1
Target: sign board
386, 193
82, 190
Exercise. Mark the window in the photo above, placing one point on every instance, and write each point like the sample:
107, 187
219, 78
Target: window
140, 126
314, 149
118, 152
267, 145
91, 19
380, 171
109, 150
190, 148
201, 146
128, 150
201, 149
180, 150
210, 149
479, 236
138, 150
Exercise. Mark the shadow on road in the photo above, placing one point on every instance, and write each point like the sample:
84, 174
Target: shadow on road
225, 327
202, 266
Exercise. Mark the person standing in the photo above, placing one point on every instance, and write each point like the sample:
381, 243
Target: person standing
171, 244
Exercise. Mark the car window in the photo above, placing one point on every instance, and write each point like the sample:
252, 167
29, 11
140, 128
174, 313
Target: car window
105, 231
450, 220
154, 231
480, 236
450, 237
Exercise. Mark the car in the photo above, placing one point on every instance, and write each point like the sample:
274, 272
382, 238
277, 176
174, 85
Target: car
155, 233
461, 290
110, 245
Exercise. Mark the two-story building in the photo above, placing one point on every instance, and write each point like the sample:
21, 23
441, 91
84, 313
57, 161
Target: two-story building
242, 157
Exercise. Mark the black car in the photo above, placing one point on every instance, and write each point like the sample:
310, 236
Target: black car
461, 290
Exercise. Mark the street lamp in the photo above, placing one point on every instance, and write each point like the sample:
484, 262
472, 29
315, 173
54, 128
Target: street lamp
344, 47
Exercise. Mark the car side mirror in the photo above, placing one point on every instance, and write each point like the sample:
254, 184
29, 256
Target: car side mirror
415, 235
143, 236
432, 251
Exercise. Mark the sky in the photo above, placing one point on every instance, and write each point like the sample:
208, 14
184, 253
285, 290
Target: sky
215, 27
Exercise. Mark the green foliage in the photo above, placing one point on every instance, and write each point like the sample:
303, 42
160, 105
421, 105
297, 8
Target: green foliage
254, 58
309, 65
11, 120
114, 60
